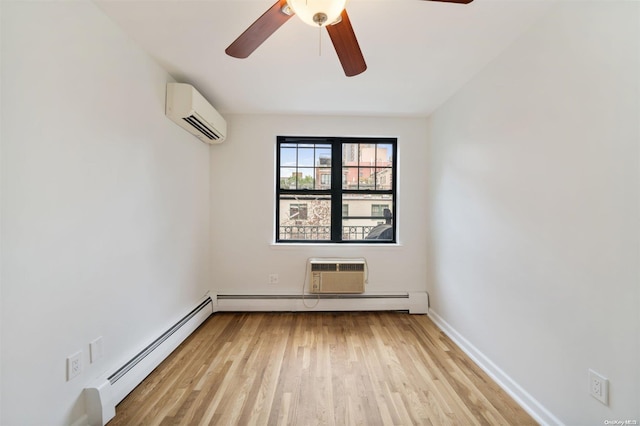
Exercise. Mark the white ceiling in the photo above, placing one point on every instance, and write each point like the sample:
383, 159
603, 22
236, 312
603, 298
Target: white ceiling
418, 53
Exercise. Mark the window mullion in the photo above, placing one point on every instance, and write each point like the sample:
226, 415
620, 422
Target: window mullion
336, 191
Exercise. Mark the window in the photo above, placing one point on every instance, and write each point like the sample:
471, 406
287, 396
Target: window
338, 190
298, 211
377, 210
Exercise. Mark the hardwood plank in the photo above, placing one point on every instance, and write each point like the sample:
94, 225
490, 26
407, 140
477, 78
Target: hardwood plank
372, 368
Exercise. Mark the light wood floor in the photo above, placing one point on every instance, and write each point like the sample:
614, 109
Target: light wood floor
378, 368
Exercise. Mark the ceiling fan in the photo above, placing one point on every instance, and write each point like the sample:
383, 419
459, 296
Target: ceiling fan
318, 13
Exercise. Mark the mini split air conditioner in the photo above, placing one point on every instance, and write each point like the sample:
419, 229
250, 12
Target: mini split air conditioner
337, 275
191, 111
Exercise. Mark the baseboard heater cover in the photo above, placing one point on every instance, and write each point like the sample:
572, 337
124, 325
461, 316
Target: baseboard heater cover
101, 398
413, 302
312, 296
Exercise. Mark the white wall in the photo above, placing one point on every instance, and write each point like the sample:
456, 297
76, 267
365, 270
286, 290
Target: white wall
535, 196
1, 175
243, 208
105, 205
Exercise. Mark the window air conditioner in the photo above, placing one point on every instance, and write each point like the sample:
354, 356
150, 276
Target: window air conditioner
337, 275
191, 111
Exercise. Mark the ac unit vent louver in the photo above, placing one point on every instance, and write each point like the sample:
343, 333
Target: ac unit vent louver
193, 120
324, 267
337, 275
351, 267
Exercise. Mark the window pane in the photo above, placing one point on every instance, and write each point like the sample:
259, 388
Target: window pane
384, 155
367, 178
370, 217
349, 178
305, 157
349, 154
305, 178
315, 226
287, 178
367, 154
384, 179
323, 156
288, 157
323, 178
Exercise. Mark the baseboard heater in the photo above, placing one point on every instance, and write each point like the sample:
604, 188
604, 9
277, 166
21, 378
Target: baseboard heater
412, 302
102, 398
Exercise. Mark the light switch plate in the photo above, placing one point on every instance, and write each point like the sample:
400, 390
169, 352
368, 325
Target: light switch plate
96, 350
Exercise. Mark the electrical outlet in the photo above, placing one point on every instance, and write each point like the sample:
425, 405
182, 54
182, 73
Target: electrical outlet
95, 350
273, 279
74, 365
599, 387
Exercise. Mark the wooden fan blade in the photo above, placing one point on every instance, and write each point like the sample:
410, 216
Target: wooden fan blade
259, 31
454, 1
346, 45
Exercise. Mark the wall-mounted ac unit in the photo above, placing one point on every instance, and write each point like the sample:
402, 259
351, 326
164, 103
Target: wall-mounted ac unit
191, 111
337, 275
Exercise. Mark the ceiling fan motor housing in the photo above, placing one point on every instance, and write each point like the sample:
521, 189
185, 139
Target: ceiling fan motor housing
320, 18
317, 12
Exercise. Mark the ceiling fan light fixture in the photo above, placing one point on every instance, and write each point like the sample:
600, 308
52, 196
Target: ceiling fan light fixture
318, 13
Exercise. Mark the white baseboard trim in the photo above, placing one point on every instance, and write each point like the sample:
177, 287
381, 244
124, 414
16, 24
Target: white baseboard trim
413, 302
510, 386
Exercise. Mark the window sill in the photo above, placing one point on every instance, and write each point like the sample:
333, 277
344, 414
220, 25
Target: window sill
298, 245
